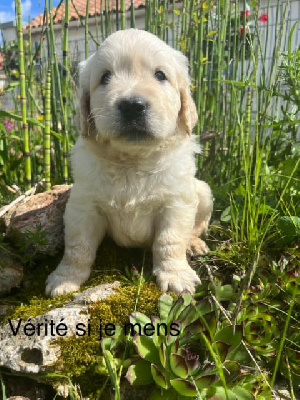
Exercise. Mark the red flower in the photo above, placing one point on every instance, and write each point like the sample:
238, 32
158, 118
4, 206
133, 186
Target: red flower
264, 18
246, 13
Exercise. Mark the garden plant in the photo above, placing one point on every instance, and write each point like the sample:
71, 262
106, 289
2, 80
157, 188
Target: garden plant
239, 335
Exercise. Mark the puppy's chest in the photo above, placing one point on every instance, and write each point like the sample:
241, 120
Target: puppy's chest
131, 204
129, 190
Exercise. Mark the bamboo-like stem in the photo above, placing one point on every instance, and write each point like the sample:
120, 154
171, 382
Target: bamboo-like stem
132, 14
23, 96
147, 15
106, 18
83, 24
57, 102
123, 14
47, 139
86, 30
65, 86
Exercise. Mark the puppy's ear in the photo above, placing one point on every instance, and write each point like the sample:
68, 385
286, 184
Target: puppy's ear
86, 121
188, 116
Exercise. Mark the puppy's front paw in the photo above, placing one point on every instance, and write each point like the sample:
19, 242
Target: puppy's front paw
177, 279
197, 247
59, 283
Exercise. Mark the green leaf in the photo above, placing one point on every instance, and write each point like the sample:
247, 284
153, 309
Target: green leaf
289, 229
205, 381
162, 354
187, 298
11, 87
112, 370
230, 335
211, 33
184, 387
226, 215
221, 349
165, 303
265, 209
239, 354
232, 370
224, 293
160, 394
176, 309
146, 348
159, 377
210, 323
140, 373
106, 343
139, 318
204, 307
178, 365
156, 337
188, 315
219, 393
242, 394
32, 121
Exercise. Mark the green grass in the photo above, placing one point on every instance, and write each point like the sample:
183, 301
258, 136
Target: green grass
251, 157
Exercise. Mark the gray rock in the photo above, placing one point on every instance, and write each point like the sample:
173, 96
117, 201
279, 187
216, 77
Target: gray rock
18, 398
31, 346
40, 215
97, 293
11, 273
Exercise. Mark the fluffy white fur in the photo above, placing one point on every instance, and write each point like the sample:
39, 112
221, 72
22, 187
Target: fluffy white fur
140, 191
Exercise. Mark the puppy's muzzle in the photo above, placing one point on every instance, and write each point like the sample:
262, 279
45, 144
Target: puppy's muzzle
133, 118
133, 108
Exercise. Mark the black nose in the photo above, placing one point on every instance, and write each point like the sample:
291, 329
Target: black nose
133, 108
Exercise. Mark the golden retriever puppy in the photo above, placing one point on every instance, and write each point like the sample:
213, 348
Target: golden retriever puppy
134, 166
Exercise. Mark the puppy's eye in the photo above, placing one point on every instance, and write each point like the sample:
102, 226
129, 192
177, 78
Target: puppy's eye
105, 78
160, 76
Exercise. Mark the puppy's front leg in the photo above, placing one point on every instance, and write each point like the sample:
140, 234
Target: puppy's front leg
170, 265
84, 230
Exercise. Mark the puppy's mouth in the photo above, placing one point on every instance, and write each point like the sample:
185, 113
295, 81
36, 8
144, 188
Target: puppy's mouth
133, 119
135, 132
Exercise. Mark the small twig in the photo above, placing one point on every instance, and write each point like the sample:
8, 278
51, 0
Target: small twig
29, 192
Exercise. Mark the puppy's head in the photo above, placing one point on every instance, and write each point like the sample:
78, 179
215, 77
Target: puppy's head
135, 89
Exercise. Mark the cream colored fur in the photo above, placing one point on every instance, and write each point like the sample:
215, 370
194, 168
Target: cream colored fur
141, 192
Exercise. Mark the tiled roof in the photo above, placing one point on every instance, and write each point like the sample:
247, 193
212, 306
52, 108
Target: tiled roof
80, 9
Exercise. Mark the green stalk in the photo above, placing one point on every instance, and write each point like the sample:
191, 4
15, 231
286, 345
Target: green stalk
65, 86
3, 389
108, 18
123, 14
284, 335
102, 24
56, 99
86, 30
199, 75
173, 24
148, 15
153, 28
184, 17
47, 138
132, 15
23, 96
86, 27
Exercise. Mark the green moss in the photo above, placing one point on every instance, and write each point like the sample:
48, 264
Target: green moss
39, 306
79, 354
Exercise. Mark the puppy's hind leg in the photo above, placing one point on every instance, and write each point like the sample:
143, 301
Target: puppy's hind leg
197, 246
84, 230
